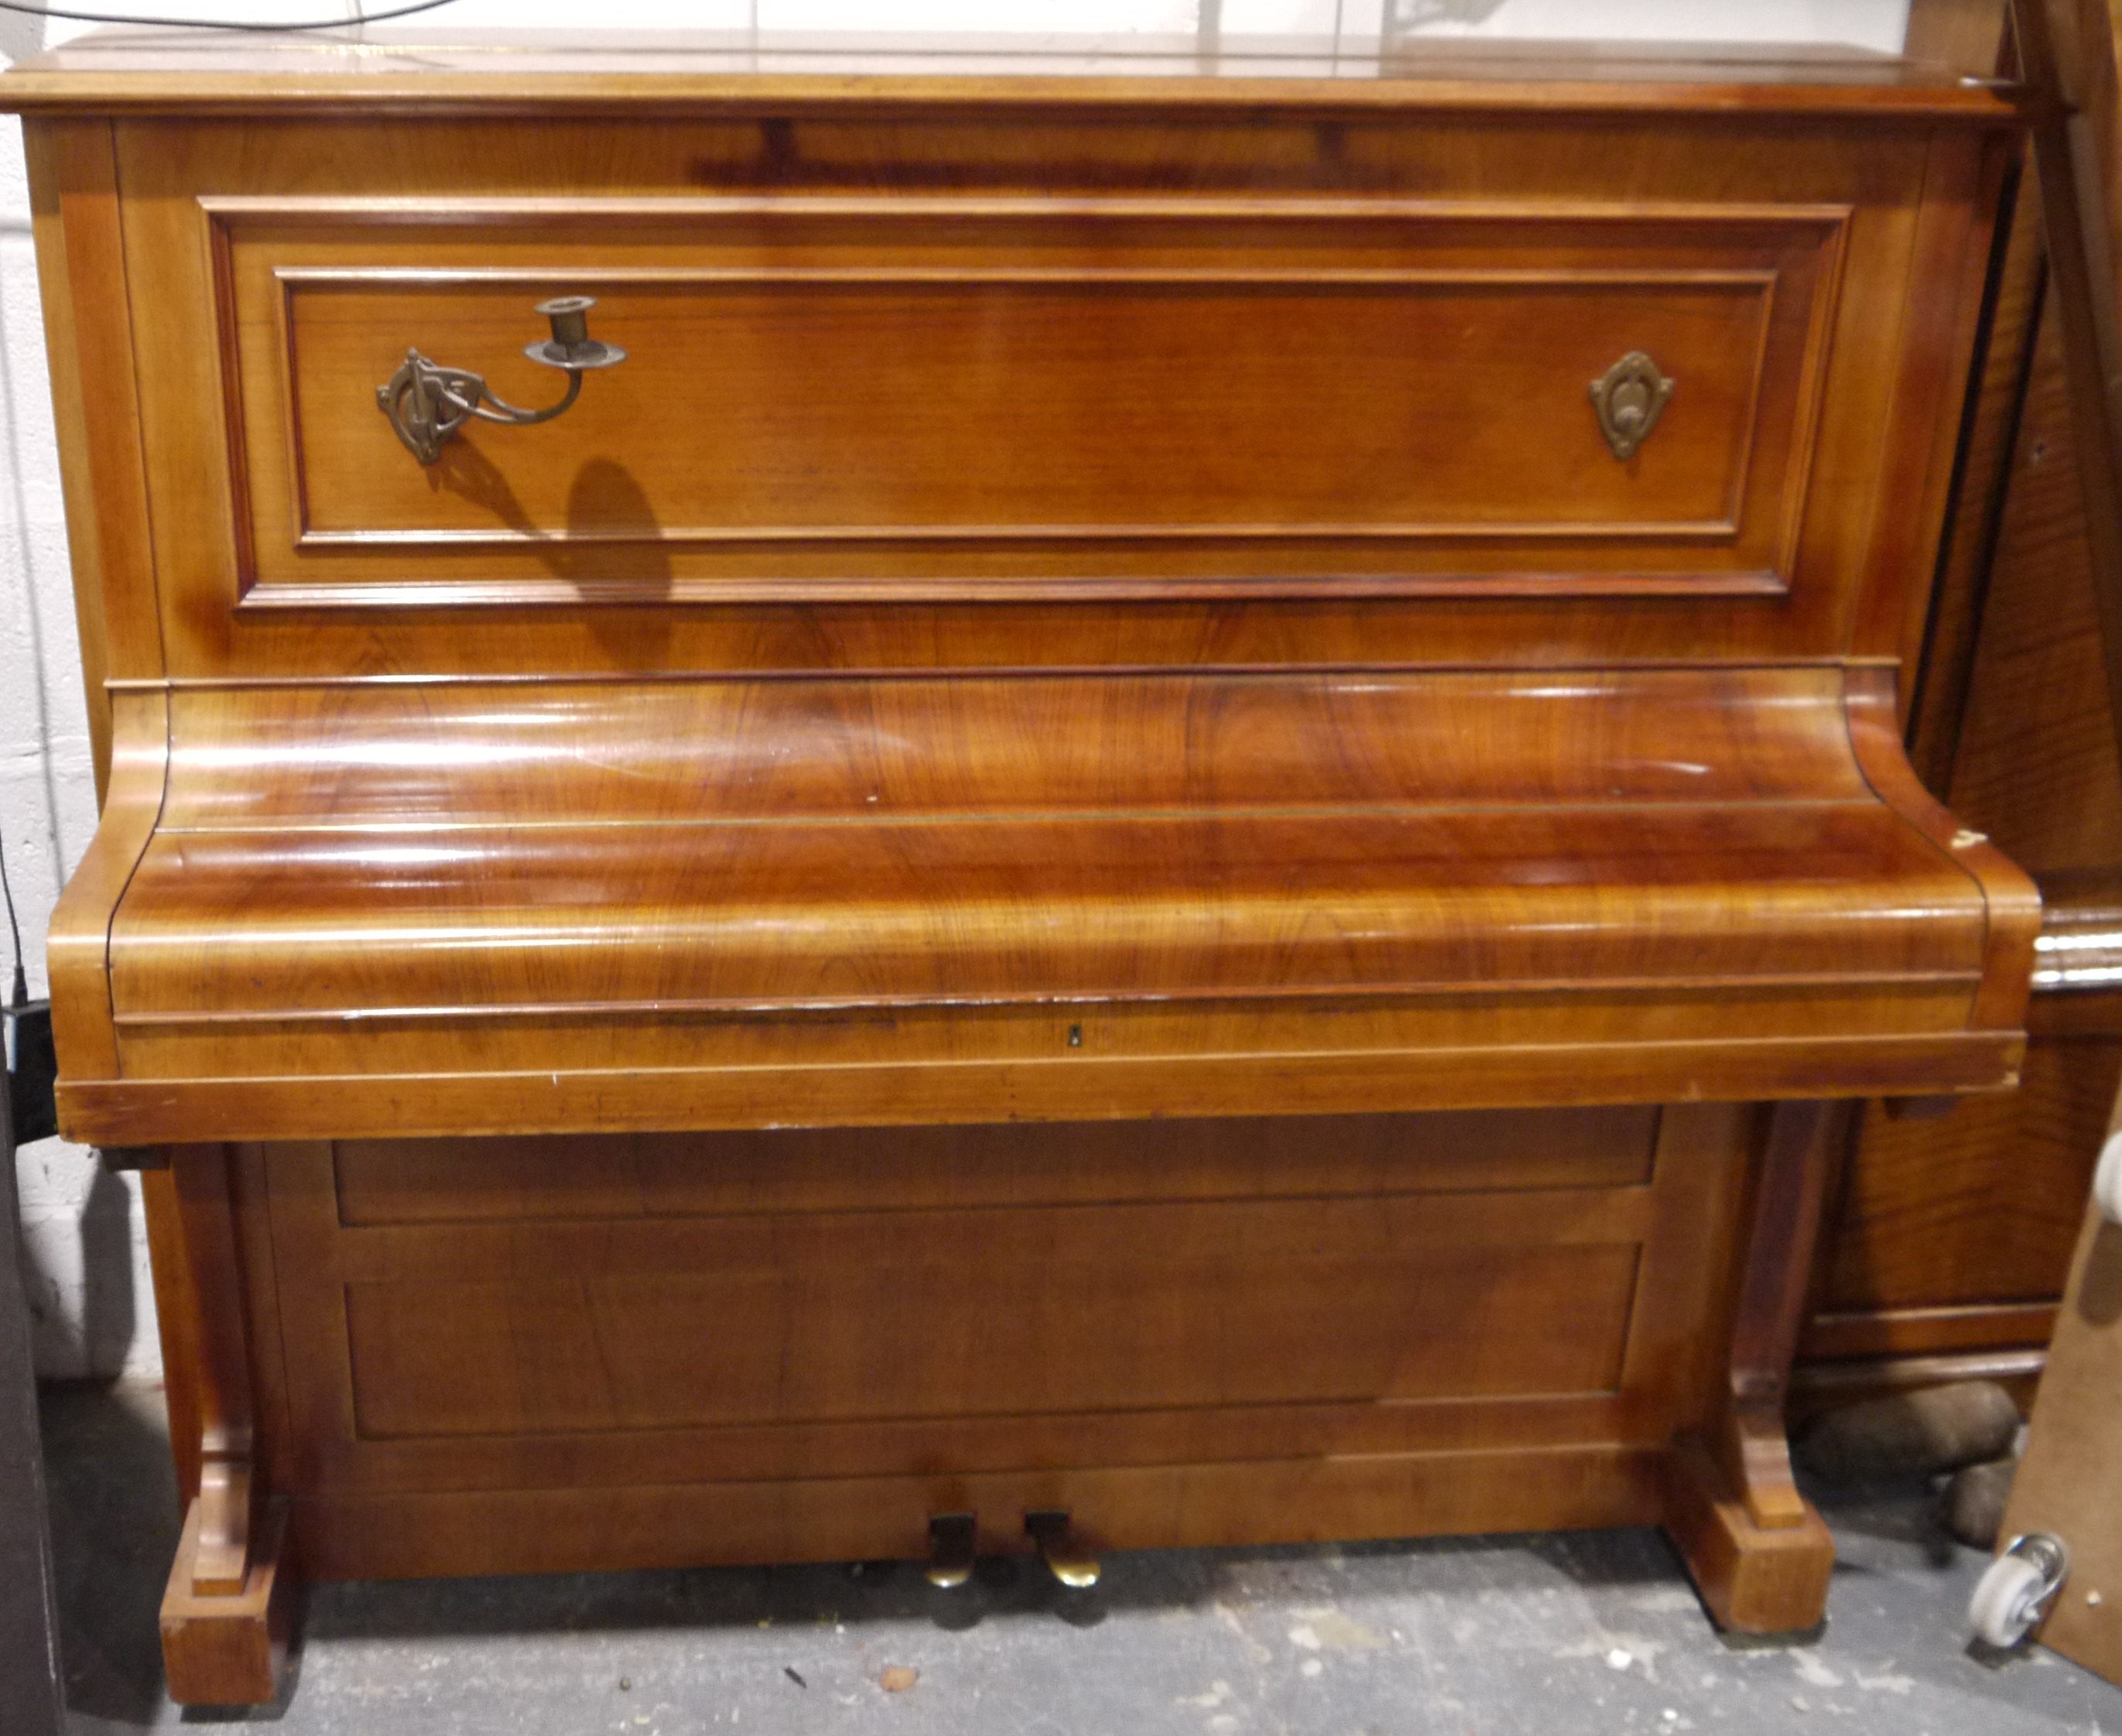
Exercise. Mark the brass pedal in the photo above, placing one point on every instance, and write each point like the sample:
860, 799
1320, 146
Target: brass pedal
952, 1541
1065, 1558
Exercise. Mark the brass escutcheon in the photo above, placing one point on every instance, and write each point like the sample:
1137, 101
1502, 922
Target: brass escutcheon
1629, 397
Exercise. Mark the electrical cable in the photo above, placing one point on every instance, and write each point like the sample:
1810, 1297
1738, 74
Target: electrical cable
22, 986
220, 24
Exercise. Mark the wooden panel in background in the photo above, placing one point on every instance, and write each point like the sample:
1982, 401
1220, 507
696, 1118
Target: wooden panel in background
1954, 1233
1950, 1240
2036, 767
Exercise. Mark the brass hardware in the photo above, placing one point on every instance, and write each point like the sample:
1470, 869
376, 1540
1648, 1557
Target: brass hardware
1630, 396
1066, 1559
427, 403
953, 1539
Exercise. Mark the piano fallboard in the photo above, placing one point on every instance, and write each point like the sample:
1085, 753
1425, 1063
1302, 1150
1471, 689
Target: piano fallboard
400, 907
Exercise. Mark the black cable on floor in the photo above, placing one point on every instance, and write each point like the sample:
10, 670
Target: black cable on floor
220, 24
22, 989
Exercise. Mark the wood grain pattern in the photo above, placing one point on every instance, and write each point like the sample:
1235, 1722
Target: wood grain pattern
1194, 1227
77, 167
1087, 397
1752, 1454
2066, 1485
2037, 768
1754, 1578
1978, 1209
382, 1182
78, 944
42, 161
775, 944
1911, 194
230, 1649
556, 71
1985, 480
178, 1321
225, 1510
1308, 1499
1952, 1239
1953, 239
717, 881
2067, 49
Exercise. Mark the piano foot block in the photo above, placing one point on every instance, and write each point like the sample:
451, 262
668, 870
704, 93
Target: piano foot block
1755, 1579
230, 1649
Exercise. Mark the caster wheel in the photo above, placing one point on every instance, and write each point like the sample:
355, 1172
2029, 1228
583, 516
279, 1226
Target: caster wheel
2015, 1589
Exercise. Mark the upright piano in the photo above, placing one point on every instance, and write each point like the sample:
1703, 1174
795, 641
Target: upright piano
897, 801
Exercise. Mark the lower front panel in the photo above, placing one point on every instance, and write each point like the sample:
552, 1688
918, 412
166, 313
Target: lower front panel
518, 1354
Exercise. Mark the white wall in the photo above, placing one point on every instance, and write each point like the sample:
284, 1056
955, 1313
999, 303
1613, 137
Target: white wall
92, 1309
85, 1240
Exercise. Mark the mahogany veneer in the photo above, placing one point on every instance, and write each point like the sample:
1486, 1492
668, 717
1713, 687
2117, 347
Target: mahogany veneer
1079, 845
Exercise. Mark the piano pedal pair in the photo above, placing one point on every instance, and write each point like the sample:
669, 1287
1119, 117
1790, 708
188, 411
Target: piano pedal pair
953, 1544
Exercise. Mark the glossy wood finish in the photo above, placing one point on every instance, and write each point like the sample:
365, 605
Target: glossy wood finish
1749, 1436
151, 71
1948, 1242
2066, 1483
2068, 48
903, 397
1096, 623
657, 877
1914, 199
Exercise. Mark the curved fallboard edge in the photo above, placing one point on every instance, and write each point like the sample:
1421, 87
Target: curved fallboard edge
2013, 900
78, 953
1906, 1016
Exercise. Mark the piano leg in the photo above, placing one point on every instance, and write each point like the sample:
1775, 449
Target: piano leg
225, 1614
1760, 1553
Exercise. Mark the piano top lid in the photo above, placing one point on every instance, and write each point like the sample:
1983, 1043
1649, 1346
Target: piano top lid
904, 882
137, 70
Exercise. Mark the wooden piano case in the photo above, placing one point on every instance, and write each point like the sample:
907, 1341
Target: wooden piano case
1093, 841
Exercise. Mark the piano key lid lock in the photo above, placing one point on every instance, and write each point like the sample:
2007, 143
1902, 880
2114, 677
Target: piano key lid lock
426, 401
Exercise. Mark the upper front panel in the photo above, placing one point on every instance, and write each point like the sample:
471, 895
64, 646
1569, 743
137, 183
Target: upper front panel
895, 398
928, 388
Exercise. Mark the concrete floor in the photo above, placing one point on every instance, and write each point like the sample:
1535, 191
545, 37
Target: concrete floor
1550, 1634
